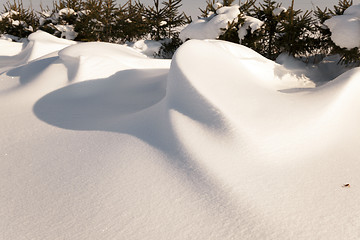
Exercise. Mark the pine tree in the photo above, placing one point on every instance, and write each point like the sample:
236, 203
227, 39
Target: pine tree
209, 10
156, 17
109, 10
19, 22
68, 17
296, 33
231, 32
341, 7
267, 36
173, 17
89, 25
324, 44
131, 22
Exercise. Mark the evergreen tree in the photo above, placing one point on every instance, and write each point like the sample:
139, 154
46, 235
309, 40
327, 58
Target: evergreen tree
173, 17
268, 34
89, 25
18, 21
341, 7
131, 22
109, 10
231, 32
324, 44
67, 10
296, 33
348, 56
156, 17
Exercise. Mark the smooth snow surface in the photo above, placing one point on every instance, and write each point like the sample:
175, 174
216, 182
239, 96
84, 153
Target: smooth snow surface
100, 142
345, 29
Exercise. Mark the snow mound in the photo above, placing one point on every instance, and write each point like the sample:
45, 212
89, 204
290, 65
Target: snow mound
222, 144
147, 47
345, 29
9, 48
93, 60
40, 44
250, 65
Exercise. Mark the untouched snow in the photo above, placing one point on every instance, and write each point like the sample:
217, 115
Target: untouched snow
345, 29
101, 142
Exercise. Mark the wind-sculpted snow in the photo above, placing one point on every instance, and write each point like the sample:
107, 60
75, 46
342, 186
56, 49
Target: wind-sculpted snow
101, 142
92, 60
39, 44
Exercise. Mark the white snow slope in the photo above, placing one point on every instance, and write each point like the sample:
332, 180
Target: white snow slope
101, 142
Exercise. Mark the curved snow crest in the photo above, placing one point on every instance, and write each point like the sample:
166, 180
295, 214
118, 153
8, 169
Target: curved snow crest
40, 44
216, 88
93, 60
210, 27
233, 64
345, 29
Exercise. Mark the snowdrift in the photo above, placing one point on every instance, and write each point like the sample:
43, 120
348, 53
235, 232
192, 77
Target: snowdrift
101, 142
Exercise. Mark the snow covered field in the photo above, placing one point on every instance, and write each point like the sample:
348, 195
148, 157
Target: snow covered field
99, 141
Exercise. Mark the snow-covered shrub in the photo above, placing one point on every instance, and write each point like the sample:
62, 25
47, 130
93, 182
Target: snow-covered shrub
269, 28
344, 29
212, 24
62, 19
16, 20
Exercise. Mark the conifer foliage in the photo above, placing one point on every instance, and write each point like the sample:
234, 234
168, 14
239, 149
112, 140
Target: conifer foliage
16, 20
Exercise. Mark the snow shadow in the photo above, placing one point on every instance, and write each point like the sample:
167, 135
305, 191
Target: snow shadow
94, 104
27, 73
130, 102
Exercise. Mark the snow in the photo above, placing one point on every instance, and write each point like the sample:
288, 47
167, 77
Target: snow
66, 11
8, 14
345, 29
210, 27
9, 48
99, 141
279, 10
147, 47
250, 23
67, 31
